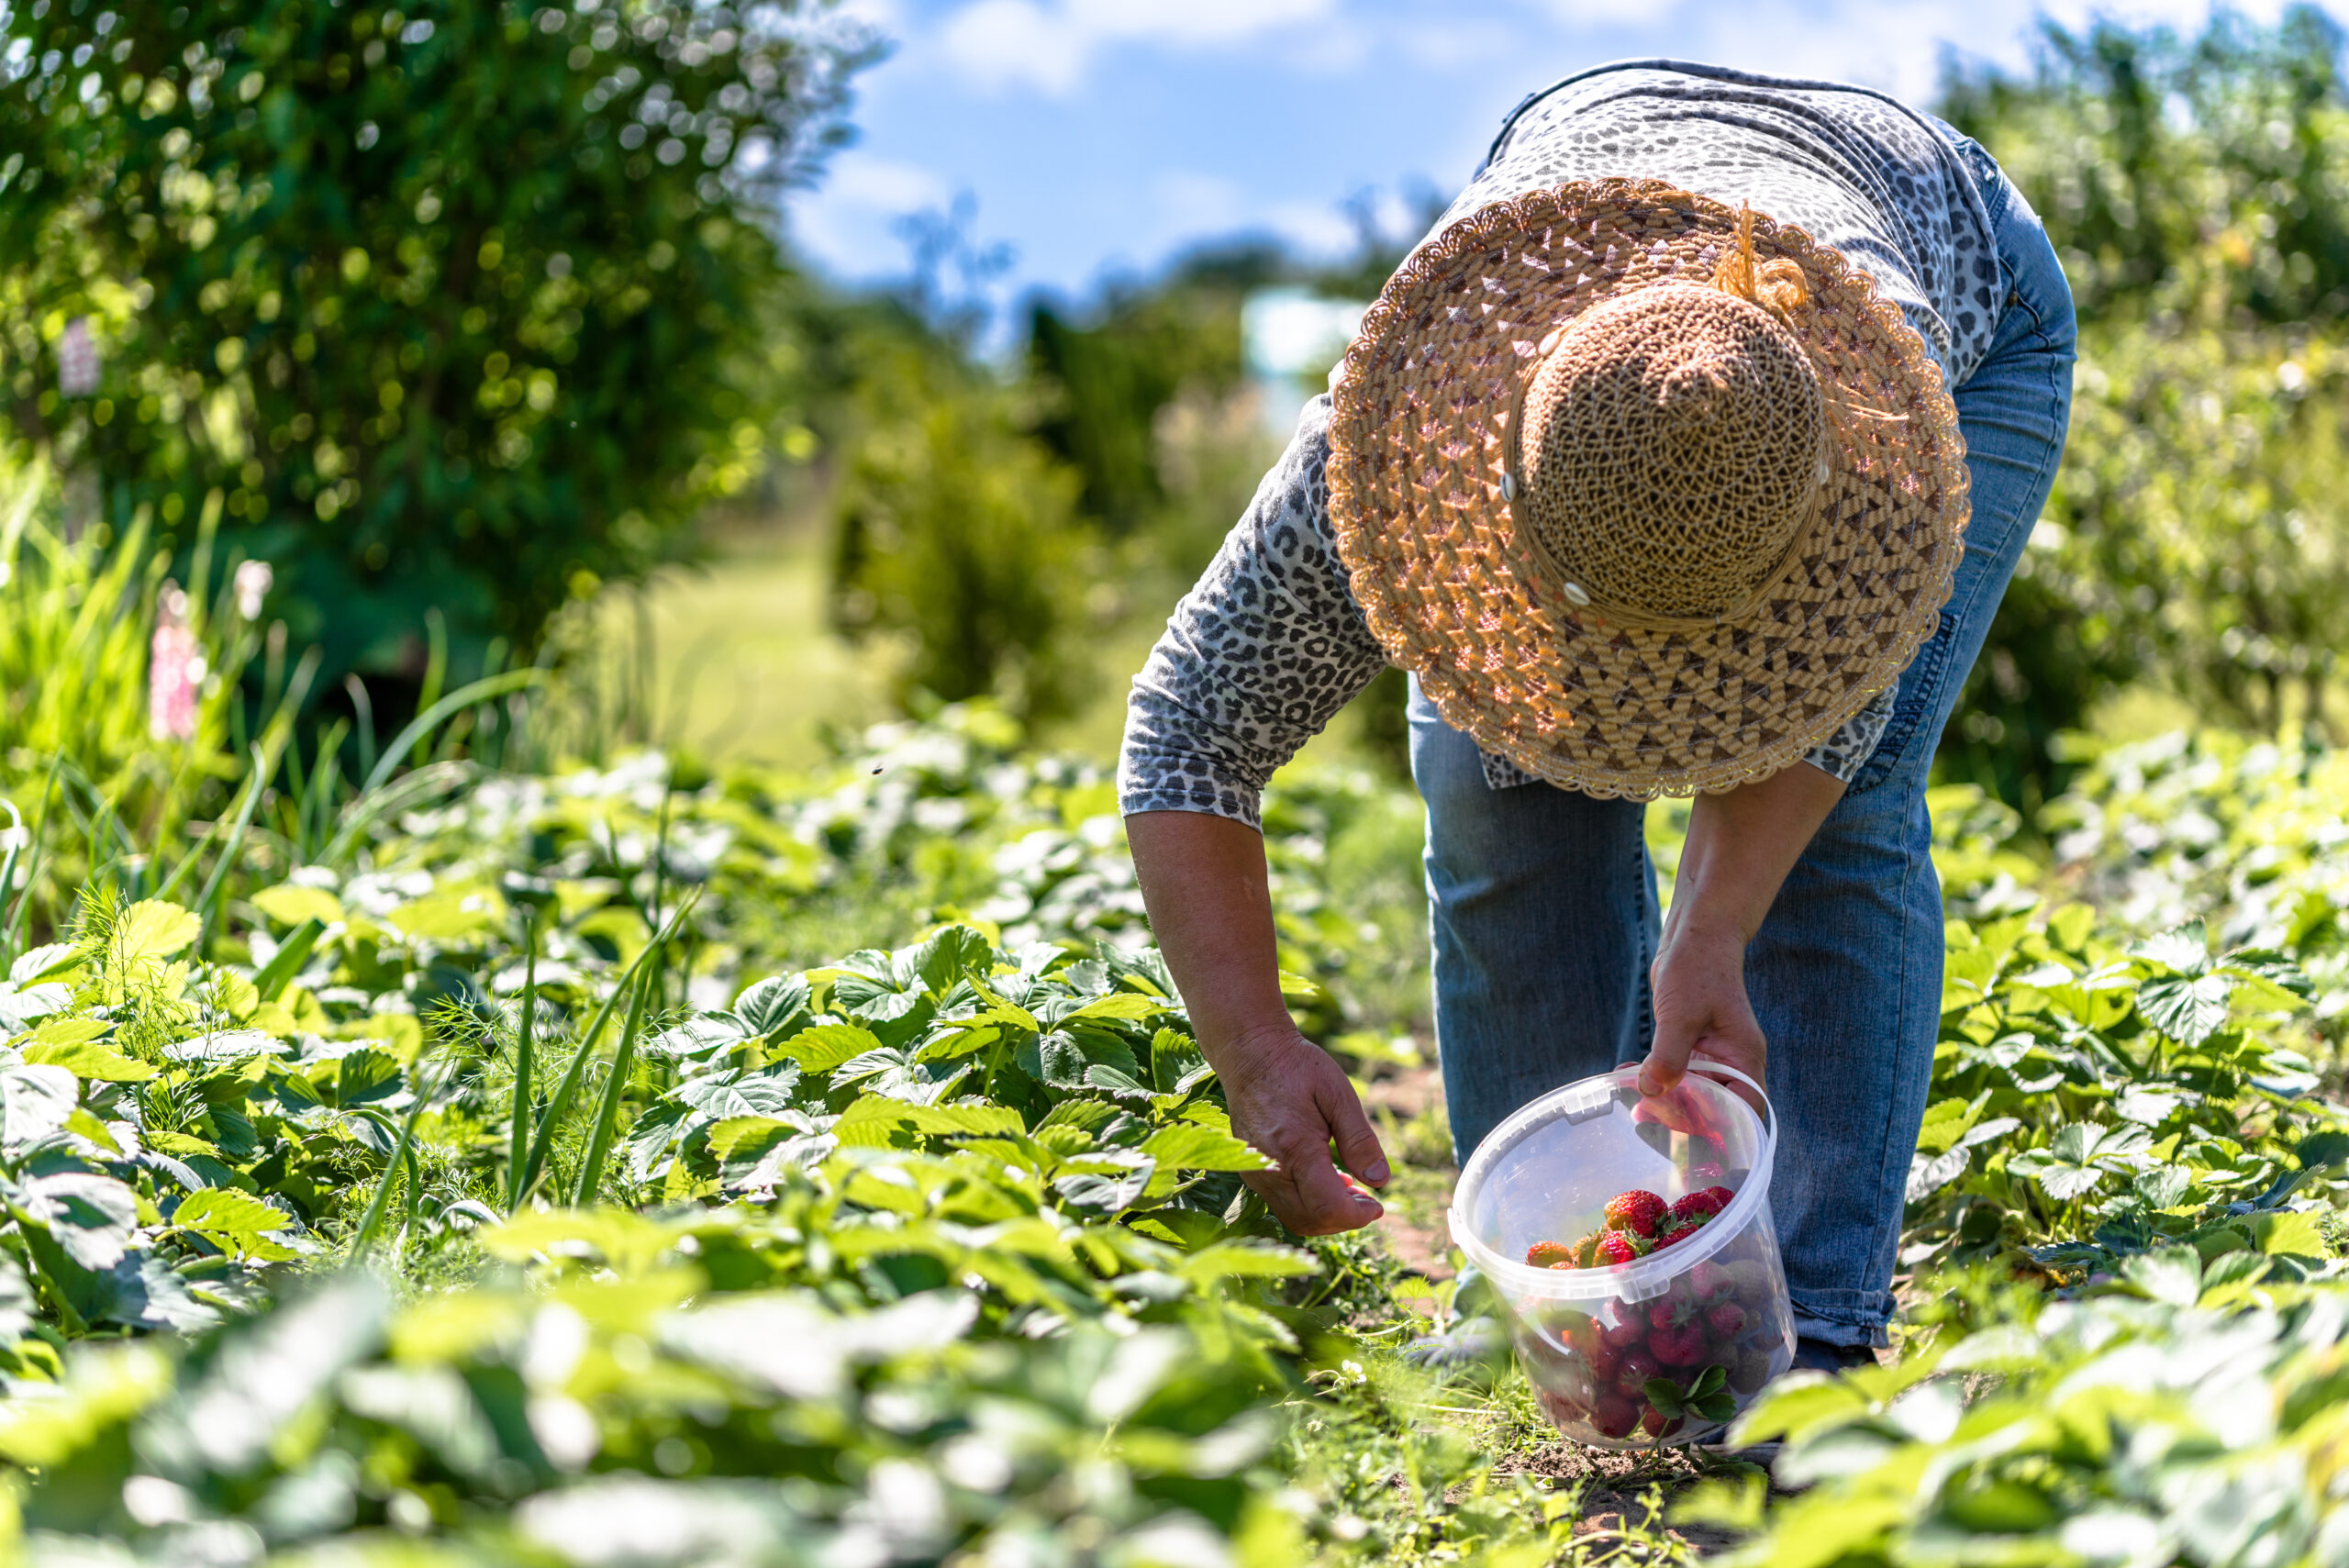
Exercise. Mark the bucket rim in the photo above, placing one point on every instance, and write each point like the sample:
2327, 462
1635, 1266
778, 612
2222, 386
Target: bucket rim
1643, 1278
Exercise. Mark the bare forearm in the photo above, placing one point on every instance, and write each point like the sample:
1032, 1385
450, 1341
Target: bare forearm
1742, 845
1203, 879
1204, 883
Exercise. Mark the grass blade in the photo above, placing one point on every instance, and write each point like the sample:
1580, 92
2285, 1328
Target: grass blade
599, 1142
235, 841
403, 1154
436, 672
291, 955
424, 723
18, 915
559, 1103
518, 1148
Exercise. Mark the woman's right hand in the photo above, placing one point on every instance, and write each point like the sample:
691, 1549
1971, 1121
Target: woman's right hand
1203, 878
1290, 1101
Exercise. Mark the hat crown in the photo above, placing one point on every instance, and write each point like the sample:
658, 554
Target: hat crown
1673, 455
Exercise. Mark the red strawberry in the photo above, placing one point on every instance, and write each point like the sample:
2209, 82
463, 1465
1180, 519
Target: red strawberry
1636, 1211
1615, 1417
1727, 1321
1631, 1373
1550, 1255
1614, 1248
1703, 1204
1666, 1313
1576, 1329
1656, 1424
1606, 1365
1682, 1346
1561, 1409
1670, 1231
1708, 1281
1622, 1325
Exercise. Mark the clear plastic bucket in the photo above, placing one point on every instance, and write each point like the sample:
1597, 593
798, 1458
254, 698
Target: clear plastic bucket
1590, 1338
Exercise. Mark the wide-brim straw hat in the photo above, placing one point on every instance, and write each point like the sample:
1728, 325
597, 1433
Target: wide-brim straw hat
1654, 494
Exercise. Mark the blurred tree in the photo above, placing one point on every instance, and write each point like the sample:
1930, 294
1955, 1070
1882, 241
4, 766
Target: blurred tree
958, 530
460, 303
2197, 193
1105, 382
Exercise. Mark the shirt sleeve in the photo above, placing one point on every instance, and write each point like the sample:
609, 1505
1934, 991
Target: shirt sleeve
1259, 656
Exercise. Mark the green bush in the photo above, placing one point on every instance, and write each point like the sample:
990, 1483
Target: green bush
458, 306
2193, 190
958, 532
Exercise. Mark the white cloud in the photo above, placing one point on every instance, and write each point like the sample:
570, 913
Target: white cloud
849, 222
1190, 203
859, 178
1317, 228
1611, 13
1047, 44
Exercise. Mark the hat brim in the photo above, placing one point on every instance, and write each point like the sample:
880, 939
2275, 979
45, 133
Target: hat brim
1452, 590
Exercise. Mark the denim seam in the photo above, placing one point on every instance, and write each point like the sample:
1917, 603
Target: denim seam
1643, 1018
1915, 864
1900, 1034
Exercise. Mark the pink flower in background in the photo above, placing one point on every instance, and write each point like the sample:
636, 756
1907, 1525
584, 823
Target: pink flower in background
253, 580
175, 670
77, 360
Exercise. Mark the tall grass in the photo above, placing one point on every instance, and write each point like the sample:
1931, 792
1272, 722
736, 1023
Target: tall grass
92, 795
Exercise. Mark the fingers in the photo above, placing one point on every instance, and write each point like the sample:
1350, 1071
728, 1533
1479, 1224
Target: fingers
1309, 1196
1292, 1109
1753, 1064
1667, 1058
1357, 1143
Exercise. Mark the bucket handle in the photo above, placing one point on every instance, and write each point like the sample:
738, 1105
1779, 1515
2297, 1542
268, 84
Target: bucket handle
1770, 1116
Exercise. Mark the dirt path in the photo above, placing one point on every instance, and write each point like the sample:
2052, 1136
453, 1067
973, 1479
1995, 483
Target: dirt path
1407, 1106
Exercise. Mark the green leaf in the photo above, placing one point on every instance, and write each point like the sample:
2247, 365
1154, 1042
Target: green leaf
2290, 1232
68, 1032
153, 929
91, 1061
290, 905
1242, 1258
873, 1118
40, 962
2320, 1148
1948, 1121
768, 1006
2163, 1186
235, 1222
1669, 1398
35, 1101
2184, 949
2173, 1275
2187, 1009
1187, 1146
948, 954
90, 1216
733, 1133
827, 1046
1130, 1006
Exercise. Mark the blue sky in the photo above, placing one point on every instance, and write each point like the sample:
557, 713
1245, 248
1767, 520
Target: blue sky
1095, 136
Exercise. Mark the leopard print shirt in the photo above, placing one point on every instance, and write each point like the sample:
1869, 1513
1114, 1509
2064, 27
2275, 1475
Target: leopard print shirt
1270, 644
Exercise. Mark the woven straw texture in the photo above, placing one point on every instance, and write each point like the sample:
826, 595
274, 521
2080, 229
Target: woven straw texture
1607, 633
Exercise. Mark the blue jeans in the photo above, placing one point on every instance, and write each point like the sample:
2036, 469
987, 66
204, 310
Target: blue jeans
1544, 914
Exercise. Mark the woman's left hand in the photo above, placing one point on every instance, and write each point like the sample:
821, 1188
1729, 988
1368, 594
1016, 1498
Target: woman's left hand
1700, 1009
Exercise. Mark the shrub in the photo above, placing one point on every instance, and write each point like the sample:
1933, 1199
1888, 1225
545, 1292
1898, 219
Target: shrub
460, 306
